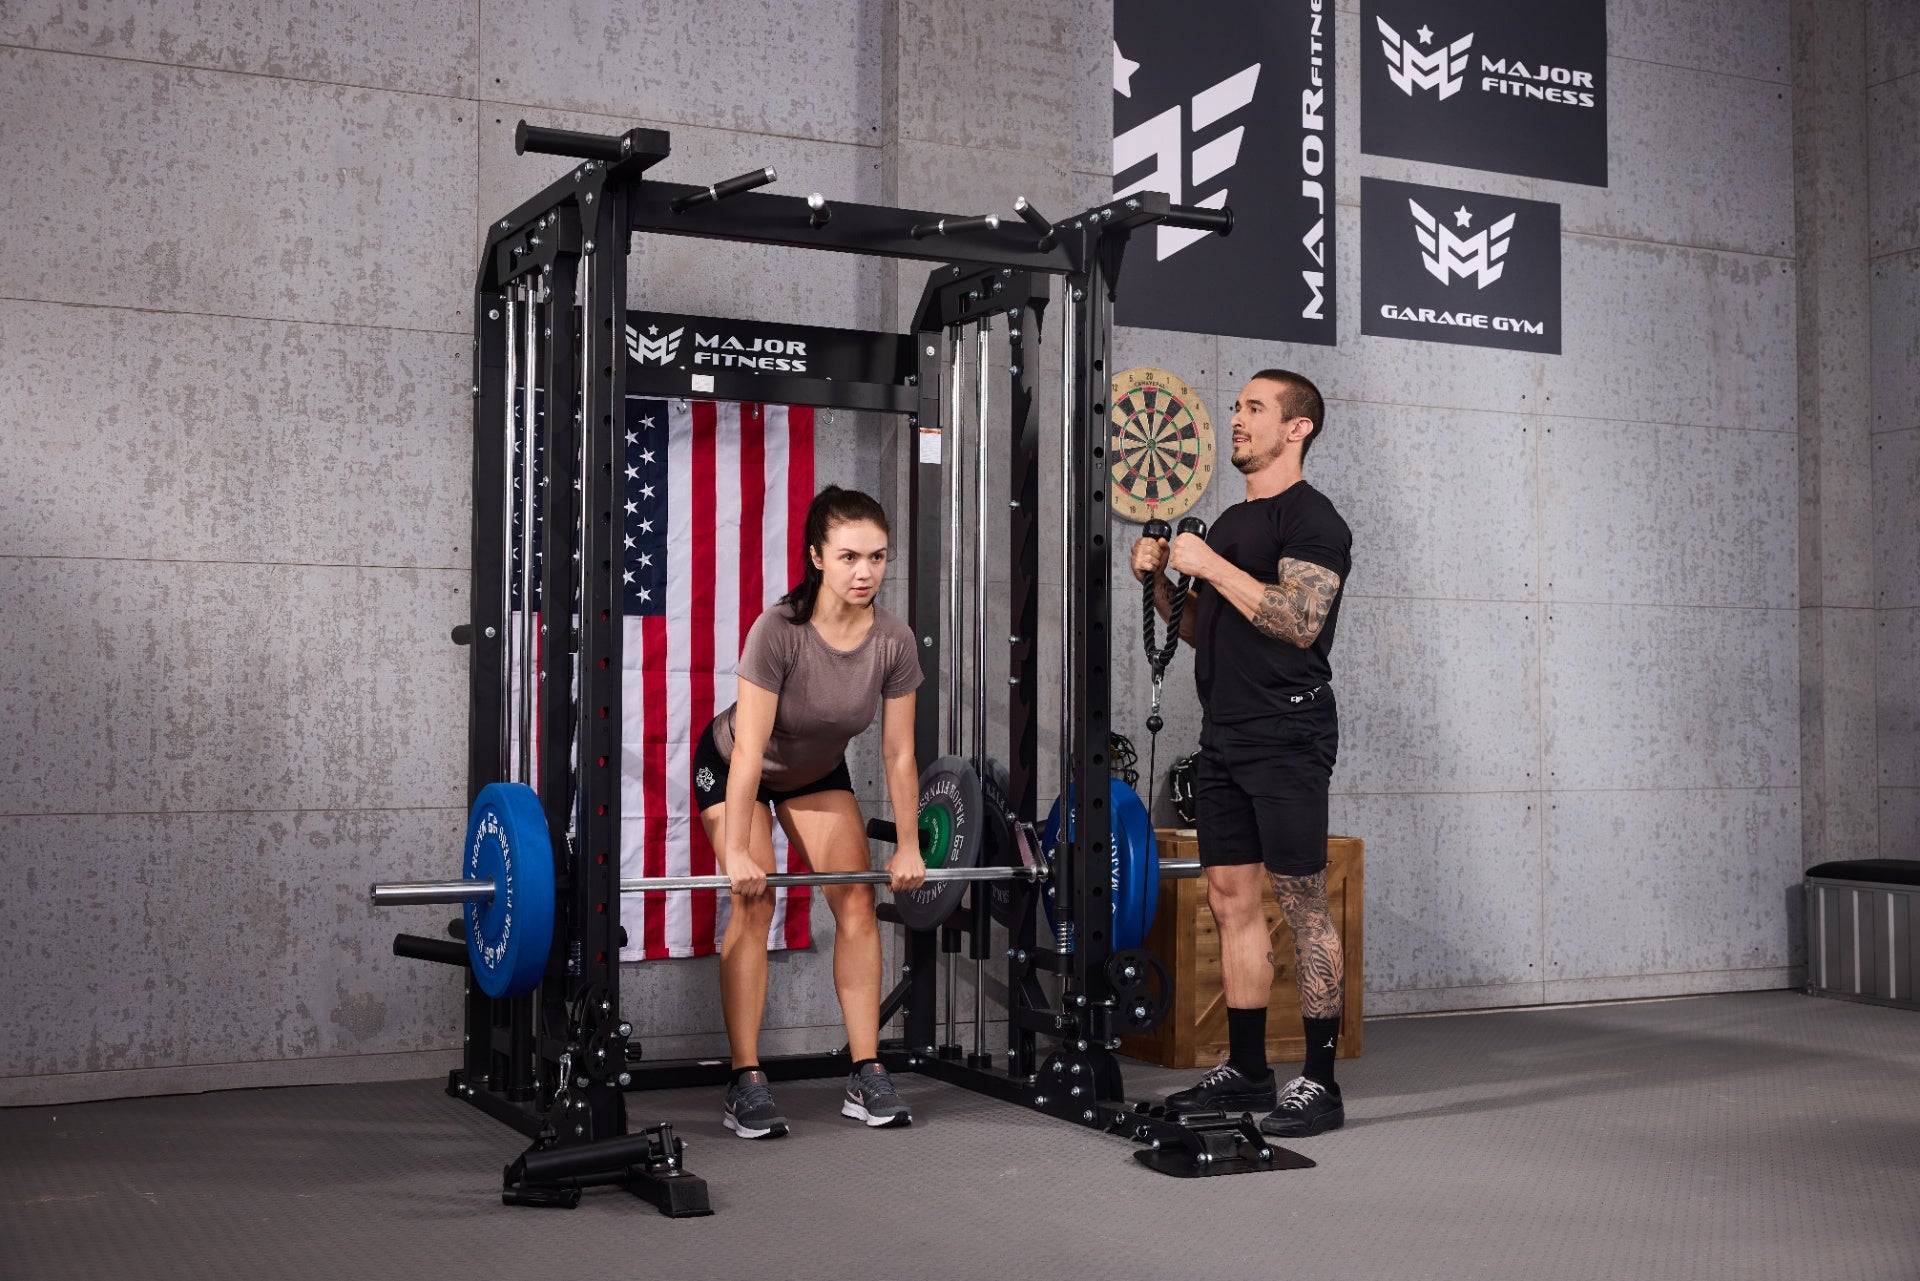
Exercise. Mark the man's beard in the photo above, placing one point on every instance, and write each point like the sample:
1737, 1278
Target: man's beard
1252, 462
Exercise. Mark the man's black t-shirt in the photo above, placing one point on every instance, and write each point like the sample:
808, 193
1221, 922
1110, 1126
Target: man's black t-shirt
1244, 675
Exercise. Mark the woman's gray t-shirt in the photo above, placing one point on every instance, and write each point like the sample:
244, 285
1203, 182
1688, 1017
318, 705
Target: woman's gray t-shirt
827, 695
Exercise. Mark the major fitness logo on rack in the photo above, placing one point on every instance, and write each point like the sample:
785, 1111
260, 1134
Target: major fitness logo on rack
753, 353
1487, 84
1459, 267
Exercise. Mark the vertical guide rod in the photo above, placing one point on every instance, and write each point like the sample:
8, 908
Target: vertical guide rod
529, 620
1069, 327
980, 653
584, 297
951, 456
507, 545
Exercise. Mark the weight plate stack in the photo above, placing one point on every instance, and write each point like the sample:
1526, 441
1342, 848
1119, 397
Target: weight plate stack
951, 813
1135, 865
510, 935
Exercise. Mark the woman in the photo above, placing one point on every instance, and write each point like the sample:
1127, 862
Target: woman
815, 668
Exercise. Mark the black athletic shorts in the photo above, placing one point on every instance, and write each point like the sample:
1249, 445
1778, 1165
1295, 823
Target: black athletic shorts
1260, 788
710, 771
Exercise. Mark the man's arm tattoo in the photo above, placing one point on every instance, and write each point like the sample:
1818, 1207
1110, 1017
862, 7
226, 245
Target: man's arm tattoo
1295, 608
1316, 943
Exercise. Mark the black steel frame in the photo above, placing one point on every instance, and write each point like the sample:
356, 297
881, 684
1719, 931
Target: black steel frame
554, 1064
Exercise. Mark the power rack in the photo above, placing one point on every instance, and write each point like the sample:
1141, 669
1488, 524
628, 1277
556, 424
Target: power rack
550, 319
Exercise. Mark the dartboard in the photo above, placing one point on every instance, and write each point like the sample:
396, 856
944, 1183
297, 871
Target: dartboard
1162, 446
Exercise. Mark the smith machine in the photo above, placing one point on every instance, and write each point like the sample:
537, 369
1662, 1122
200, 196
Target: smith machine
547, 1050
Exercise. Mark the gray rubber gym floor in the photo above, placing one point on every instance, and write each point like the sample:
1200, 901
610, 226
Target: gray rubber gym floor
1752, 1136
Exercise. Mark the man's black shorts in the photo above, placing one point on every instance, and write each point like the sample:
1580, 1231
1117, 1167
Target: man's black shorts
710, 770
1260, 788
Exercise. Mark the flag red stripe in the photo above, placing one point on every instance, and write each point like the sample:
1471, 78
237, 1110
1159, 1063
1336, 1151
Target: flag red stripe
653, 776
799, 495
704, 502
753, 513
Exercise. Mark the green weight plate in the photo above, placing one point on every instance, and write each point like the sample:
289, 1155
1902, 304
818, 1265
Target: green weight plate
510, 935
937, 822
950, 790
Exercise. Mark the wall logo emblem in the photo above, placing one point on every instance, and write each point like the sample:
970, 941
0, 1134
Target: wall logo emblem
653, 346
1443, 265
1162, 140
1500, 85
1446, 255
1410, 68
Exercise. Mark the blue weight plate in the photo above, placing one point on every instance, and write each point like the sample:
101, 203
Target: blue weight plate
509, 937
1126, 840
1133, 860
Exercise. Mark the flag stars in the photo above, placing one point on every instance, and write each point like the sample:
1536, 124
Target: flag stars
632, 438
646, 456
632, 507
629, 542
633, 473
646, 491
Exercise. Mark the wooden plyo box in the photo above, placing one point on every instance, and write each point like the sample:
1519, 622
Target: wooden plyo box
1184, 938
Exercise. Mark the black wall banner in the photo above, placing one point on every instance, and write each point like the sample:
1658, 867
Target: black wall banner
1230, 103
1457, 266
1514, 86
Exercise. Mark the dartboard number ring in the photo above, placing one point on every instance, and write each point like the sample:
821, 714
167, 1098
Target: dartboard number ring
1162, 445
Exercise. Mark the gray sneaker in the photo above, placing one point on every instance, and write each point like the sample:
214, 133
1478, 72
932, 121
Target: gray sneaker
872, 1098
751, 1113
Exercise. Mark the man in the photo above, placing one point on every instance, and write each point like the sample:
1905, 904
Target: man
1261, 616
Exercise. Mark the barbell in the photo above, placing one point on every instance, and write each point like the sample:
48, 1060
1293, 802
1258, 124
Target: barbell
509, 894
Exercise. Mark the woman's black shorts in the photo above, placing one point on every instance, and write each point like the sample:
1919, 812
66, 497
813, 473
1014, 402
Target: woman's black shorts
710, 771
1260, 789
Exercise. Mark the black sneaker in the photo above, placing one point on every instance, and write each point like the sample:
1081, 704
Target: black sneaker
1225, 1089
1306, 1108
872, 1098
751, 1113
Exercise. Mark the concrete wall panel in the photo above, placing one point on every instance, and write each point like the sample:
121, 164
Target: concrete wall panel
1899, 822
1680, 335
1670, 882
1712, 700
1893, 164
811, 71
183, 437
428, 47
1008, 79
1453, 889
235, 195
1438, 696
1733, 37
1441, 502
163, 687
1696, 159
1896, 342
1897, 656
1896, 512
1634, 513
1893, 40
298, 965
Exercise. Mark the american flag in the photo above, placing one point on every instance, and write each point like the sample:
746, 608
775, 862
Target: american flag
717, 494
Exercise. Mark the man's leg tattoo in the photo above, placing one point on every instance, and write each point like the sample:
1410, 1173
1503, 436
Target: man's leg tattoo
1316, 944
